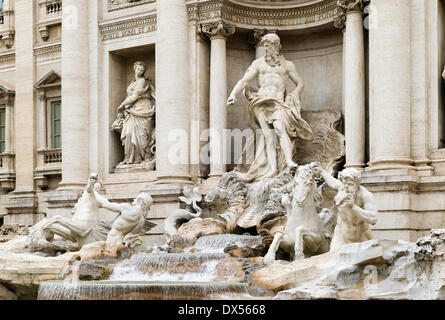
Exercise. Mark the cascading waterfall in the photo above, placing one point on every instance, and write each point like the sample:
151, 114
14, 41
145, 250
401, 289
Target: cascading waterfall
217, 243
203, 271
108, 290
199, 267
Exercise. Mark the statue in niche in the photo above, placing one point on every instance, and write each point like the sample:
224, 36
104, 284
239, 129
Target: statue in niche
355, 204
273, 111
136, 121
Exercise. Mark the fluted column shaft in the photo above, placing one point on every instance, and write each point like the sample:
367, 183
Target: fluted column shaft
355, 96
173, 101
218, 33
75, 88
390, 83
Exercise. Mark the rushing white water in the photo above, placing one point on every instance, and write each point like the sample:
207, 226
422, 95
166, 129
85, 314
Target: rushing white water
128, 271
108, 290
217, 243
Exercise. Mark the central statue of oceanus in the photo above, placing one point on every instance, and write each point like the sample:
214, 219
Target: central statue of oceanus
273, 112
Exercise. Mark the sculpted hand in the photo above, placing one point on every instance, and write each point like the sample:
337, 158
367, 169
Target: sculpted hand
120, 108
97, 187
231, 100
317, 170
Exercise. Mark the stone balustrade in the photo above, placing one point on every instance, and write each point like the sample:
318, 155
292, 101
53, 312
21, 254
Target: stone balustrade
50, 15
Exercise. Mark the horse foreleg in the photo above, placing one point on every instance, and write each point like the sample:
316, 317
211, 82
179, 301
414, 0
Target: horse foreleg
270, 256
53, 229
305, 238
72, 226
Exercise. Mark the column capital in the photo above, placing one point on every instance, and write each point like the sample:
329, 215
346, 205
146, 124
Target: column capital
257, 35
347, 6
217, 30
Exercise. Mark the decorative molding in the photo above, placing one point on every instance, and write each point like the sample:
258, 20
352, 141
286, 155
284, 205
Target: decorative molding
126, 28
267, 18
48, 53
297, 17
7, 60
122, 4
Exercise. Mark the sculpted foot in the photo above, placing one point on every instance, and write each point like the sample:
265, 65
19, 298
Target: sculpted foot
292, 164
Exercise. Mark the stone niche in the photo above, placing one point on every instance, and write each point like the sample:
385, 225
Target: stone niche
121, 74
318, 57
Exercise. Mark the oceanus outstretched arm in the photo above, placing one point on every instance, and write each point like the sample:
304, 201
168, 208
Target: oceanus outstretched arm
250, 74
104, 203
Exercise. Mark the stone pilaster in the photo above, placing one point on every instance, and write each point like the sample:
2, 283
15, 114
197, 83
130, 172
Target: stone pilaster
218, 33
351, 19
173, 101
390, 83
23, 202
42, 143
75, 89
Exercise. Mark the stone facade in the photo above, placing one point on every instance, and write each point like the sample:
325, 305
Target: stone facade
385, 81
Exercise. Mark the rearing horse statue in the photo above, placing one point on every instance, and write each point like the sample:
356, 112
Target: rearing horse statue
305, 232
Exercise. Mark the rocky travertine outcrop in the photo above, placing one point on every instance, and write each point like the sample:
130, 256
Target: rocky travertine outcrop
376, 269
22, 271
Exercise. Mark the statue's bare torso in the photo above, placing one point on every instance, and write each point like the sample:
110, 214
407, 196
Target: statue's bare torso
273, 79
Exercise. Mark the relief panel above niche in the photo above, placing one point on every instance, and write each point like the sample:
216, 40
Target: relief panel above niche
121, 4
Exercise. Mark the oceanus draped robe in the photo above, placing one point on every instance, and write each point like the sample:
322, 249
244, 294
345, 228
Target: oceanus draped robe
288, 112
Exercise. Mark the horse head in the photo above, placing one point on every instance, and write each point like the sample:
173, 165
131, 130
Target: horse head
305, 184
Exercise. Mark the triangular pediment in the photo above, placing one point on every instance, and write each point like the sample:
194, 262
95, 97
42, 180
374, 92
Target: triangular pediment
6, 89
51, 79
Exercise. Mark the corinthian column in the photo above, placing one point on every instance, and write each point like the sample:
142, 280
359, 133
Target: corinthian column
173, 93
75, 88
390, 83
218, 33
354, 81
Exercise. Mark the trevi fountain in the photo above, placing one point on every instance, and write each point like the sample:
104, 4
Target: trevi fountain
298, 217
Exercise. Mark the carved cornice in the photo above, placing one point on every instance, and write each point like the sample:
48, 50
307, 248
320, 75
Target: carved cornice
286, 17
48, 53
122, 4
251, 17
346, 6
127, 28
7, 59
217, 30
